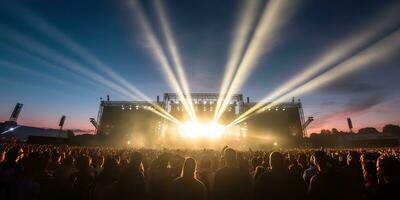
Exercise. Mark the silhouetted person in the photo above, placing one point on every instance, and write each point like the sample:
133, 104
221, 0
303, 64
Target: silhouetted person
63, 177
160, 178
388, 168
106, 179
296, 181
231, 182
303, 162
187, 186
10, 172
83, 181
28, 187
353, 173
205, 174
54, 162
277, 182
45, 178
327, 183
260, 170
255, 162
310, 172
97, 163
370, 180
131, 183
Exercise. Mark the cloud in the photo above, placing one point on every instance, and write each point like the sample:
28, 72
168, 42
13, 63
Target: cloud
359, 105
351, 86
355, 106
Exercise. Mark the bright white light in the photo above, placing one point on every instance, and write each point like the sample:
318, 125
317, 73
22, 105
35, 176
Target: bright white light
264, 39
11, 129
196, 130
128, 142
242, 32
160, 56
173, 49
381, 23
375, 53
275, 144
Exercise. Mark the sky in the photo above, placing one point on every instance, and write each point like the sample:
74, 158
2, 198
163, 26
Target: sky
59, 57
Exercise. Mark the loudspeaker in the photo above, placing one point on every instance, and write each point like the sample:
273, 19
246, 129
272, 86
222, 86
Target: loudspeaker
350, 123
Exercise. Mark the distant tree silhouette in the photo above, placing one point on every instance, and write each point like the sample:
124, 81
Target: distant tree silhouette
314, 135
70, 134
326, 132
368, 130
335, 131
391, 128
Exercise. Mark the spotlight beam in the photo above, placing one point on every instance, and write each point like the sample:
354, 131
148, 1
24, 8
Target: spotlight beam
275, 14
159, 55
161, 113
242, 32
13, 66
22, 69
45, 63
17, 67
45, 27
374, 53
384, 21
38, 48
51, 54
173, 49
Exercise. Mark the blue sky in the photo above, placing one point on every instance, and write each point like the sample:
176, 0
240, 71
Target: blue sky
204, 33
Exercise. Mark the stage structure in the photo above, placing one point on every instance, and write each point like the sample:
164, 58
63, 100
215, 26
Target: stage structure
133, 121
123, 120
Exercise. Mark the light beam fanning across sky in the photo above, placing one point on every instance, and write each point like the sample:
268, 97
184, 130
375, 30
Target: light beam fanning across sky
45, 27
264, 39
383, 22
38, 48
159, 55
173, 49
378, 51
241, 36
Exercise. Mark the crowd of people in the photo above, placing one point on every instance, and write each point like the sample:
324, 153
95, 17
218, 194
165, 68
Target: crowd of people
100, 173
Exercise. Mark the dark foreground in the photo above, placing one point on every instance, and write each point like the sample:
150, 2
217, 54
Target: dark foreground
68, 172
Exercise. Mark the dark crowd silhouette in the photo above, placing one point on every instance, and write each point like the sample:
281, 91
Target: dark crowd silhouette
102, 173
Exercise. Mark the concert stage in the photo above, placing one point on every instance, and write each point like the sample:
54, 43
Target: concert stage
136, 123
